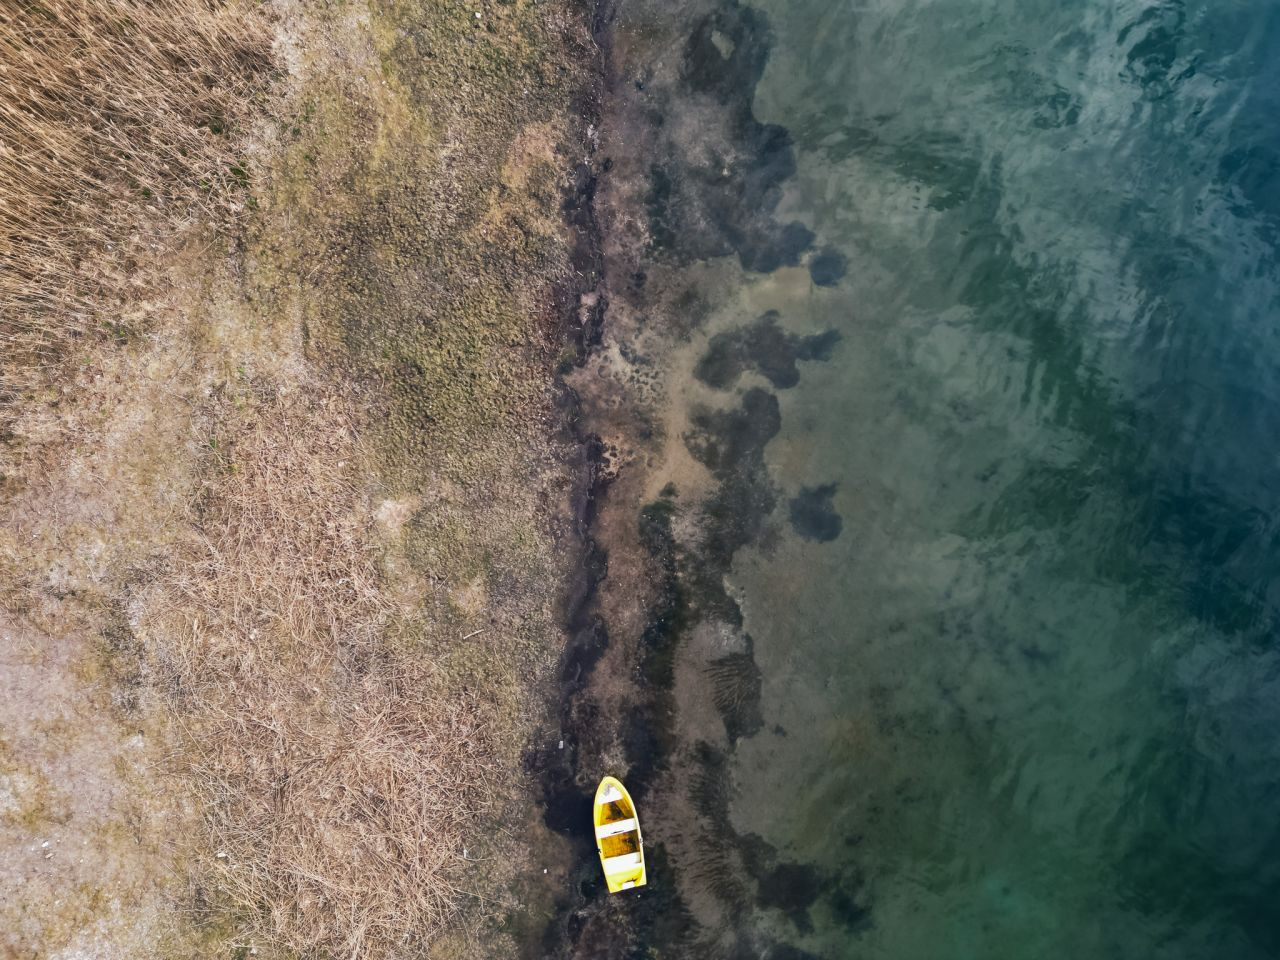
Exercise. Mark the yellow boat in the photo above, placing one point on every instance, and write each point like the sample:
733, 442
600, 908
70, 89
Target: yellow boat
618, 836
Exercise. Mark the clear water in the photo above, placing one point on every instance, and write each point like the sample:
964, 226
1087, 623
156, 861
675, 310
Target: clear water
1026, 703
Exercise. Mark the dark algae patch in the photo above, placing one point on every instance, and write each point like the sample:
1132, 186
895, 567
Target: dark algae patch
763, 347
827, 267
813, 515
735, 679
716, 194
792, 888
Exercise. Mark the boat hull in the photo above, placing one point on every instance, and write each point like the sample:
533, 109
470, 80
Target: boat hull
618, 838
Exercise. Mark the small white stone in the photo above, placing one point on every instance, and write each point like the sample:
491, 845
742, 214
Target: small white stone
561, 747
477, 14
45, 844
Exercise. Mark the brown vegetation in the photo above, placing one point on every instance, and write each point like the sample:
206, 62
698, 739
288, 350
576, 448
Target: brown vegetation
337, 782
308, 517
116, 123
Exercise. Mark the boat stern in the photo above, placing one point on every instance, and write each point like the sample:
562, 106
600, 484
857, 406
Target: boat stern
618, 838
626, 879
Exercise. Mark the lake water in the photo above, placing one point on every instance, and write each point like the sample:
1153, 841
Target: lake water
1010, 316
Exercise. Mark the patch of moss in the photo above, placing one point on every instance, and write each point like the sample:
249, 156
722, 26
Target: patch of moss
433, 235
27, 797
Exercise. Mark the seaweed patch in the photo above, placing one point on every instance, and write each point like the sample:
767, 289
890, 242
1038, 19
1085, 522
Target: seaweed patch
813, 514
792, 888
764, 347
717, 196
827, 267
737, 680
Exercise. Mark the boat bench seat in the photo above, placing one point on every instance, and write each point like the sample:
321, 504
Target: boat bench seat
615, 828
625, 862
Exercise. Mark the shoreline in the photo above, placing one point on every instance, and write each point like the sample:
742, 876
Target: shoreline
659, 682
607, 716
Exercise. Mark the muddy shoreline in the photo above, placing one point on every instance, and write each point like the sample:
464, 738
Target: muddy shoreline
564, 759
658, 681
552, 756
634, 730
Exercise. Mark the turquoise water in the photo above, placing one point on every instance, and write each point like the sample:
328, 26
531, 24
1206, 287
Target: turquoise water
1016, 623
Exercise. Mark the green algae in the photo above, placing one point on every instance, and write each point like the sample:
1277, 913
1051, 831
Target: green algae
425, 251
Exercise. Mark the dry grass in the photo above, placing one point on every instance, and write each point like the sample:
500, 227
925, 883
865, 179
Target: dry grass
337, 774
336, 785
120, 123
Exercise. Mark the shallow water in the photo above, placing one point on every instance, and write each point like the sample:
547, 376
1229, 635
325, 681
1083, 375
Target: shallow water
1013, 599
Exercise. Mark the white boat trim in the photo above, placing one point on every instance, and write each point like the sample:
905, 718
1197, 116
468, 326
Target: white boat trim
615, 828
626, 861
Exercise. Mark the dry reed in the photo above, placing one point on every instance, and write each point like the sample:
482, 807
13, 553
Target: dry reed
337, 778
120, 123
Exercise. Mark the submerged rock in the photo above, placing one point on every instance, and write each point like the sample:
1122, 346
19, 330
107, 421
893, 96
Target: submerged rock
813, 516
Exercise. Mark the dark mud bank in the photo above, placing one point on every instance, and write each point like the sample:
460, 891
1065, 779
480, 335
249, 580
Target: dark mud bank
565, 761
